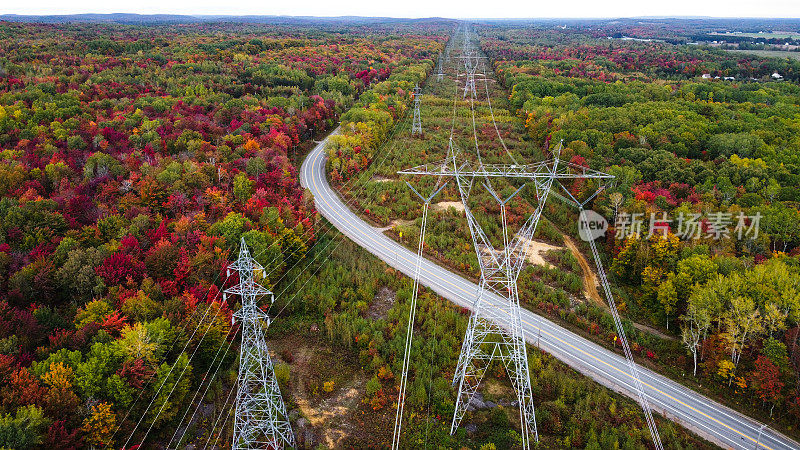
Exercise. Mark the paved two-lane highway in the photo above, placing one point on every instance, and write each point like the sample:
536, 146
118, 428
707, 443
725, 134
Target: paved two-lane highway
708, 418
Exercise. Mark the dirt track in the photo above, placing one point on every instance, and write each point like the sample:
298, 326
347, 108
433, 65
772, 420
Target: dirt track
589, 278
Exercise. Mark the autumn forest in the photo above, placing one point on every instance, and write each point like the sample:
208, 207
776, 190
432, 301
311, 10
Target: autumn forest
135, 157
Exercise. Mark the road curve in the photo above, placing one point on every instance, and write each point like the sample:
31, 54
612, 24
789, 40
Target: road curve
713, 421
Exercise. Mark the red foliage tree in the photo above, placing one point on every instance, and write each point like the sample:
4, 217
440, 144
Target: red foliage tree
59, 438
121, 268
21, 388
113, 323
136, 372
765, 379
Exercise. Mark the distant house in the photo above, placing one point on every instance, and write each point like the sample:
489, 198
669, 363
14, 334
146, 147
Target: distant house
730, 78
777, 77
706, 76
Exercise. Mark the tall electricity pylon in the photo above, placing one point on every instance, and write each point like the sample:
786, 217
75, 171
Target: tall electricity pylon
470, 65
495, 329
261, 420
416, 125
469, 85
471, 62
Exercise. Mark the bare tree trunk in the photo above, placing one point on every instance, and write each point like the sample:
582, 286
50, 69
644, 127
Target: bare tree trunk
703, 347
793, 356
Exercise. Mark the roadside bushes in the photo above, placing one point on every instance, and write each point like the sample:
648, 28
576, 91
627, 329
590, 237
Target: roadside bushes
367, 125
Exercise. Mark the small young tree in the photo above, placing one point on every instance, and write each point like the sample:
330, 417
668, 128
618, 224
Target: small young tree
741, 321
696, 324
99, 426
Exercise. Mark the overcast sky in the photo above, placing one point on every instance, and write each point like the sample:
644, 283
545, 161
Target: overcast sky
420, 8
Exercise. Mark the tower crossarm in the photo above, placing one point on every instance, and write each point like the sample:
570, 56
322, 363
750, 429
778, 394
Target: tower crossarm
246, 264
248, 287
543, 174
253, 313
541, 170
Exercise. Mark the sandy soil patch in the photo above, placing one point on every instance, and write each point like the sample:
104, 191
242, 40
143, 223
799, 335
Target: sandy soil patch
396, 223
441, 206
536, 251
331, 414
330, 418
380, 179
400, 223
382, 303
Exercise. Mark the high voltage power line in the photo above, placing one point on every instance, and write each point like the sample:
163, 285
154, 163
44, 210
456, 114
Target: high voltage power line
495, 329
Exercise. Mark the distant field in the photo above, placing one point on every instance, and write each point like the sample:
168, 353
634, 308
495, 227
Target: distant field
770, 35
770, 53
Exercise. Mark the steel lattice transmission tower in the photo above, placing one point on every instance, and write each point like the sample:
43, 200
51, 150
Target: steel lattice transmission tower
439, 73
495, 329
470, 65
471, 59
416, 125
261, 420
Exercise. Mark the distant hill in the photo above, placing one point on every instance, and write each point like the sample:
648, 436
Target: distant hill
100, 18
128, 18
712, 23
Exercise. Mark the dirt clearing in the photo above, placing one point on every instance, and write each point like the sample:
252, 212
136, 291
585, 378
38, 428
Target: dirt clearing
442, 206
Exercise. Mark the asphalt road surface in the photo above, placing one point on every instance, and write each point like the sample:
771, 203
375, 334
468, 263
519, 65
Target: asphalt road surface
713, 421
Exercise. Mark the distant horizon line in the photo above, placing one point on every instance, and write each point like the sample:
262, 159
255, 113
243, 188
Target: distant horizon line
289, 16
